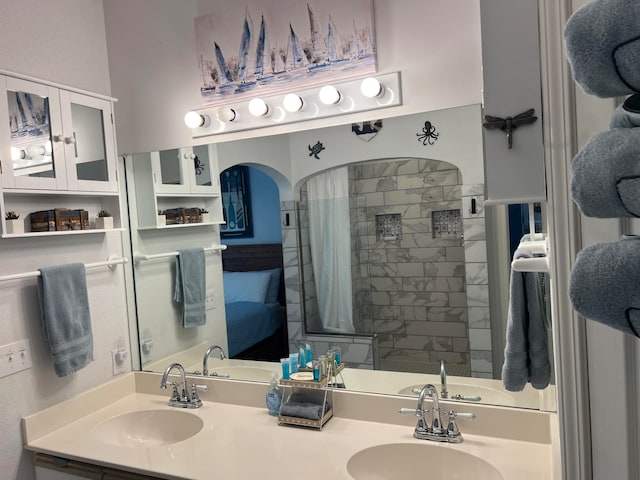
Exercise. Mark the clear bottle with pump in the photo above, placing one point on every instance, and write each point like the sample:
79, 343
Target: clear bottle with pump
274, 396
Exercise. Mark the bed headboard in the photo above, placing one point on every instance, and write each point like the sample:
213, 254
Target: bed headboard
247, 258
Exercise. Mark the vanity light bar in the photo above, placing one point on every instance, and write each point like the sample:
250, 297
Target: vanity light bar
354, 96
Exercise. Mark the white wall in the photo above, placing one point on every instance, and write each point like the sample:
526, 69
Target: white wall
61, 41
154, 70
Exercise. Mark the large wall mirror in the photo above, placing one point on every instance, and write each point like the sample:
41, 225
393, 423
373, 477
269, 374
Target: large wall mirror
419, 276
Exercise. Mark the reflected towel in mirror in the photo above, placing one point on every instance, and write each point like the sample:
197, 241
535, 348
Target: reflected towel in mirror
526, 356
190, 289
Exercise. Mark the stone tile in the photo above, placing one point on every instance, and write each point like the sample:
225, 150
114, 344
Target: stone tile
475, 251
480, 339
433, 284
427, 299
437, 329
455, 254
474, 229
473, 189
406, 313
446, 314
477, 274
478, 295
385, 284
416, 255
413, 342
460, 345
458, 299
452, 192
444, 269
375, 199
358, 353
479, 317
451, 358
481, 362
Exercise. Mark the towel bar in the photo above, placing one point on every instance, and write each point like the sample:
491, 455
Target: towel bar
108, 263
138, 257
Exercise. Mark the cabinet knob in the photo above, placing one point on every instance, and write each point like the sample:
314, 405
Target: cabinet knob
189, 156
58, 138
69, 140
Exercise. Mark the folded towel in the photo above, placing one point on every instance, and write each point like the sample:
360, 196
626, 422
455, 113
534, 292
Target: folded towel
526, 356
311, 411
603, 47
190, 287
627, 115
66, 321
606, 175
605, 283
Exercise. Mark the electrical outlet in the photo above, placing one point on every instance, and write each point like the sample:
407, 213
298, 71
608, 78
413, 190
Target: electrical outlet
118, 360
210, 300
15, 357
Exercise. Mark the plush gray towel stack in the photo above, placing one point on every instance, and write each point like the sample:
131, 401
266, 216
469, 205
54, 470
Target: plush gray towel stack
606, 174
603, 47
526, 355
66, 320
190, 288
605, 284
602, 42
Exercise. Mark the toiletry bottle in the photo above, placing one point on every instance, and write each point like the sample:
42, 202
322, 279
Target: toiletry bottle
274, 396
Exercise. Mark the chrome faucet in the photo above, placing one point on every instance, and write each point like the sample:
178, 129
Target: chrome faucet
180, 397
205, 359
433, 429
443, 381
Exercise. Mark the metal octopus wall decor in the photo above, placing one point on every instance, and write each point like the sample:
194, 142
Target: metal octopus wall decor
509, 124
428, 135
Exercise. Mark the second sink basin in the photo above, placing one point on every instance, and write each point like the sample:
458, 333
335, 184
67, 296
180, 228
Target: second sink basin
148, 428
409, 460
487, 395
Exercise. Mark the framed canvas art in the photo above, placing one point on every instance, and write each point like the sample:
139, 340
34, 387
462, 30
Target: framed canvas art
263, 47
234, 185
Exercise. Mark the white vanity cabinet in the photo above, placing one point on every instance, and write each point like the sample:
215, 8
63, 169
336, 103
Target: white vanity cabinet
56, 468
57, 151
176, 178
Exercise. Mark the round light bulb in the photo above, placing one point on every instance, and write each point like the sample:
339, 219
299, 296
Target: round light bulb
371, 87
17, 154
194, 119
292, 103
227, 114
329, 95
258, 107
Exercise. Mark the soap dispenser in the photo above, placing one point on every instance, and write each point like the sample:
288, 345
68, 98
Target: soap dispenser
274, 396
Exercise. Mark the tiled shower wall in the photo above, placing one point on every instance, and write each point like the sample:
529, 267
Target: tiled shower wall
423, 299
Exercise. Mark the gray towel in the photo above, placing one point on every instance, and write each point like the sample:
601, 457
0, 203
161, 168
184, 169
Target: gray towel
526, 355
66, 321
190, 287
603, 47
311, 411
605, 284
606, 174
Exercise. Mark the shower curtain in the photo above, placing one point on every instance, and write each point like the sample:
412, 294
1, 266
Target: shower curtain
329, 230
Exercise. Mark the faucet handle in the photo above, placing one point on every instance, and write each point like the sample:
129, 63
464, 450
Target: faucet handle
409, 411
452, 428
194, 393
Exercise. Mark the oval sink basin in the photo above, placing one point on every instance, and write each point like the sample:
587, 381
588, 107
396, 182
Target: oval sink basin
255, 374
149, 428
486, 395
410, 460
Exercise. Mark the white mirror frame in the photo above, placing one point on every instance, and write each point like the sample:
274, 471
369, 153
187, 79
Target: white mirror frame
569, 330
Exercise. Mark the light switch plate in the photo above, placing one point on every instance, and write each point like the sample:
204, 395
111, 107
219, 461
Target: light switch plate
210, 300
15, 357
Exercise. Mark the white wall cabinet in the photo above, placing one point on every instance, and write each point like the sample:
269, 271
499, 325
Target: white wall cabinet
57, 150
177, 178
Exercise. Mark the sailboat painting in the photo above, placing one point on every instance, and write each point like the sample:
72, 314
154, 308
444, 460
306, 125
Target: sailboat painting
265, 47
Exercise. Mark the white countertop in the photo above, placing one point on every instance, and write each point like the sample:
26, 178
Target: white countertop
245, 442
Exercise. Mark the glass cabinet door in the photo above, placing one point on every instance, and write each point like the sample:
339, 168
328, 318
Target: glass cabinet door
88, 142
170, 172
32, 151
205, 179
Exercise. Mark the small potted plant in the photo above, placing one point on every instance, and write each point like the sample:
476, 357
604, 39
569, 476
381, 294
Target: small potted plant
205, 217
14, 225
104, 220
161, 219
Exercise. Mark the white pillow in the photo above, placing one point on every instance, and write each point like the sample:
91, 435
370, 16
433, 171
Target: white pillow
245, 286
